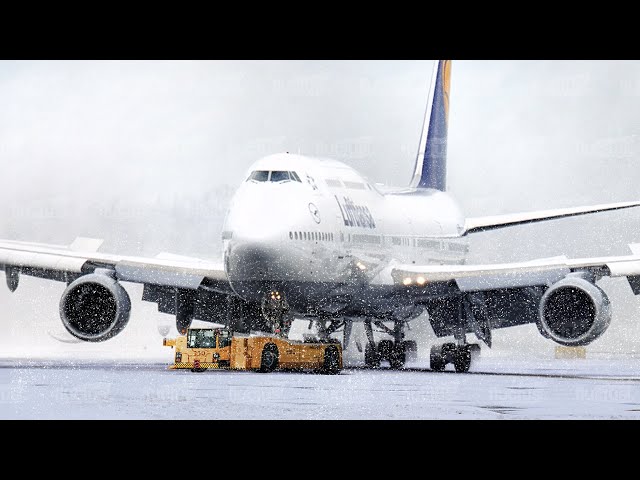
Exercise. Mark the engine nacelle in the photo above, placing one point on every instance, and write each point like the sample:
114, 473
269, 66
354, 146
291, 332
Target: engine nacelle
574, 312
95, 307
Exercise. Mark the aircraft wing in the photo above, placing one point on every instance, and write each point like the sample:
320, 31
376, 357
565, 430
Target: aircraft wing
483, 224
57, 262
502, 295
512, 275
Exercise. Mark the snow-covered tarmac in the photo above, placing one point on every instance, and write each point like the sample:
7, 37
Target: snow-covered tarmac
498, 389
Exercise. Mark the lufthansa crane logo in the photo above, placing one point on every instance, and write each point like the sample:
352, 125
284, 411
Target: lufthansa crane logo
315, 213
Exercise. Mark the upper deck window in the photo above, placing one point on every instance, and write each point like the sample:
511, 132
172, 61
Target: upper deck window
354, 185
331, 182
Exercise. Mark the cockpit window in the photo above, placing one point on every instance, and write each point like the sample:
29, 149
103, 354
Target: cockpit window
259, 176
274, 176
277, 176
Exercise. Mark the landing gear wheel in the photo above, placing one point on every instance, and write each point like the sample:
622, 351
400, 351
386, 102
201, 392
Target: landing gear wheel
410, 350
448, 352
385, 348
371, 357
436, 360
331, 365
269, 360
398, 356
198, 370
462, 359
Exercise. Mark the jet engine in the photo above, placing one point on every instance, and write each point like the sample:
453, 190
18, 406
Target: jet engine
95, 307
574, 311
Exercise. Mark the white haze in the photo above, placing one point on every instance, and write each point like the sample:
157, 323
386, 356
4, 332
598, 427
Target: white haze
146, 155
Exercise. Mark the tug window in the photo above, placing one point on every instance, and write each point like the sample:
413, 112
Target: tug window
224, 339
201, 338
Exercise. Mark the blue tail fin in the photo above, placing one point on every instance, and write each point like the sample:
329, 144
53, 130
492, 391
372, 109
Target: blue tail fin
431, 162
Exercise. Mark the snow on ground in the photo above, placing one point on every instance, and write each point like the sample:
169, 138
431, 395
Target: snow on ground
566, 389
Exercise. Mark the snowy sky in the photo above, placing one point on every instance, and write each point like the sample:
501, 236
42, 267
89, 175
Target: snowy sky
523, 134
120, 128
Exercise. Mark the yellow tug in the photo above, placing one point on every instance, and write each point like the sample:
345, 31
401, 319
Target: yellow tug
219, 348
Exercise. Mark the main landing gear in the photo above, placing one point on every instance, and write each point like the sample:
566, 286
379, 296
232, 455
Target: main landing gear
460, 354
396, 352
471, 311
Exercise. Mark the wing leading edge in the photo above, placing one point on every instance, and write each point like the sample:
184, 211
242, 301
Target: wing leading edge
57, 262
483, 224
511, 275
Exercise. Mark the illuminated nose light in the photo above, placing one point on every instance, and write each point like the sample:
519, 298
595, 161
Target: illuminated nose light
421, 281
275, 295
361, 266
406, 281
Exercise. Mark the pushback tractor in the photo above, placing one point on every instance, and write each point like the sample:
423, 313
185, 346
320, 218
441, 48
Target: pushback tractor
220, 348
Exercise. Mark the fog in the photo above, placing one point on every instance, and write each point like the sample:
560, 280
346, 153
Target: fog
147, 154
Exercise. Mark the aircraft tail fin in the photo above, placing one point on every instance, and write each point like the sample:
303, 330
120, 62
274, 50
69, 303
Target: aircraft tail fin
431, 161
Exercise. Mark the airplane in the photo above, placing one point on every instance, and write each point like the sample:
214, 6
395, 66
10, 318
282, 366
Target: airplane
311, 238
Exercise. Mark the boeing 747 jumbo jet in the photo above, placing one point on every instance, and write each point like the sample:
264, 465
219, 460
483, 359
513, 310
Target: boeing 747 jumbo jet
312, 239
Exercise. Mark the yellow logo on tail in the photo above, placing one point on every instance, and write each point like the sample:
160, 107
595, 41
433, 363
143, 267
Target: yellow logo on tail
446, 86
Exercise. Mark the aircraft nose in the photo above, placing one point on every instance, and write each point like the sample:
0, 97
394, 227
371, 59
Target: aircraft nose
249, 261
259, 225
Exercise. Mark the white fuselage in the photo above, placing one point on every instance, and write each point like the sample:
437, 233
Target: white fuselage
325, 222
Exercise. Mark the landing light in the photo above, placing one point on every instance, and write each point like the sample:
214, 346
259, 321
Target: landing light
361, 266
421, 281
406, 281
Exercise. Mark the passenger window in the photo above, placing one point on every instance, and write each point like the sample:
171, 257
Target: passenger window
295, 235
277, 176
259, 176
